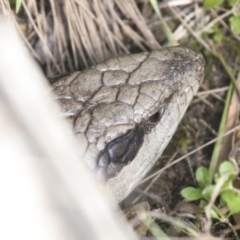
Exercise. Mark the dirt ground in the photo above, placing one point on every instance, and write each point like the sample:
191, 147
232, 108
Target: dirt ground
68, 36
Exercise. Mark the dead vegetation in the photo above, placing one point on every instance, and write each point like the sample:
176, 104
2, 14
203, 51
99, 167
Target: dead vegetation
68, 35
64, 36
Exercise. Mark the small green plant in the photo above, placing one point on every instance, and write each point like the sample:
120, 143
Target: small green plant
221, 188
216, 33
233, 20
17, 4
212, 3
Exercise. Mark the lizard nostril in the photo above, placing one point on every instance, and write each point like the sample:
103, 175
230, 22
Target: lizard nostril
188, 67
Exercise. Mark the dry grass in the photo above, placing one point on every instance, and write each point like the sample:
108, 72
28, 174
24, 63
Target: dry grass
68, 35
72, 35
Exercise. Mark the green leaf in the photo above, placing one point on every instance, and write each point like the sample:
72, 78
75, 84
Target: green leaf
235, 24
212, 3
207, 192
191, 193
233, 2
232, 199
184, 143
217, 37
18, 5
222, 203
226, 167
214, 215
216, 177
202, 176
213, 29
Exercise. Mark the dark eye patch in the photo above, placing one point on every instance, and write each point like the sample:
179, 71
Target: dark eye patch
120, 152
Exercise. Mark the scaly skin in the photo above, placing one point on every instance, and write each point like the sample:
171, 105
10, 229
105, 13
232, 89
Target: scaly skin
138, 96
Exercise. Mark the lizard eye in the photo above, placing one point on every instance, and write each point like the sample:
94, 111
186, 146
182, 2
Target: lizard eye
156, 117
